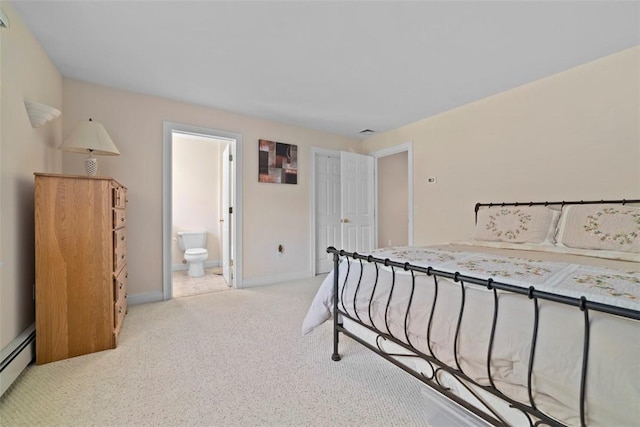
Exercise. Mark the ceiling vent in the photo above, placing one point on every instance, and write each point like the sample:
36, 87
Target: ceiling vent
366, 131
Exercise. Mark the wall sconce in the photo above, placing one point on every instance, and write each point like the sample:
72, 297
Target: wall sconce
4, 20
40, 114
89, 136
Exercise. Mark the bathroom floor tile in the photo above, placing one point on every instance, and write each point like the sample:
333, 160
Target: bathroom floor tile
212, 281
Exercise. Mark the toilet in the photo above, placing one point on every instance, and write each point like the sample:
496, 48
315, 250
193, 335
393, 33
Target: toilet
194, 243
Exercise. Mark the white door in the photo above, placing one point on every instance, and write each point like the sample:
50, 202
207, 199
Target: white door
226, 215
357, 202
328, 212
344, 205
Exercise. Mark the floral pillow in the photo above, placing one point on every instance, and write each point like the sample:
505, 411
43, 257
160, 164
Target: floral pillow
608, 227
517, 224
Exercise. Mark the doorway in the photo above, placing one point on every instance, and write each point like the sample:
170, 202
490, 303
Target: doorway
202, 196
198, 214
393, 211
342, 213
394, 195
328, 178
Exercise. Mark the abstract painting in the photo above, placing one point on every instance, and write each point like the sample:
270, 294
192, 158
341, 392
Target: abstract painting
277, 162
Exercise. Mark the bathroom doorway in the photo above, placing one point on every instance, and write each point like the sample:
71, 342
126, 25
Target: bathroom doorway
201, 195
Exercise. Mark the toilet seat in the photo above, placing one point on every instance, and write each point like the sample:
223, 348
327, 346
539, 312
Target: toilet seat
196, 251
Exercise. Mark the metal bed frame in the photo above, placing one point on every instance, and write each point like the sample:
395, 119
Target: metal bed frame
535, 416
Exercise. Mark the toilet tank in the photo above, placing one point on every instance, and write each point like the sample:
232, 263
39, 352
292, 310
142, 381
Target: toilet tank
192, 239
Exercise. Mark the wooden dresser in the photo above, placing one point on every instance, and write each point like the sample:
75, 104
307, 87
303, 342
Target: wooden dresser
81, 264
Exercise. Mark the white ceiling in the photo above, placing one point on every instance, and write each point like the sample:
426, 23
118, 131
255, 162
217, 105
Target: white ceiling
338, 66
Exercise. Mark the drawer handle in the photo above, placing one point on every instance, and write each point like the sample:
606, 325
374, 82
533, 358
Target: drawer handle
122, 238
125, 295
121, 218
119, 310
122, 256
121, 284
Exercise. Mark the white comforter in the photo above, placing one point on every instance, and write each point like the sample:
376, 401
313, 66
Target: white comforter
613, 381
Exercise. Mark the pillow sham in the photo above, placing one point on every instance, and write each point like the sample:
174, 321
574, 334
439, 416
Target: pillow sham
603, 227
517, 224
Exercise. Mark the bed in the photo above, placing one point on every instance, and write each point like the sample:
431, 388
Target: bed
533, 321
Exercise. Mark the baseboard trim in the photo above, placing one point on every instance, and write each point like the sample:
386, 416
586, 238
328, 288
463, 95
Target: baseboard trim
270, 280
16, 356
136, 299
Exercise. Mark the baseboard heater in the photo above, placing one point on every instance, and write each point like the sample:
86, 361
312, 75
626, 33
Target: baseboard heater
16, 356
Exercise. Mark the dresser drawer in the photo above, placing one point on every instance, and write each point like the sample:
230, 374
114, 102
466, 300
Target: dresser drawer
119, 258
119, 197
119, 218
120, 297
119, 311
120, 285
119, 238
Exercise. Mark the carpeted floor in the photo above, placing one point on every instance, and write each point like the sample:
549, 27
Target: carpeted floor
233, 358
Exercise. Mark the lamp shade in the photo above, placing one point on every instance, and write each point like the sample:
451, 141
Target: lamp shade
40, 114
89, 136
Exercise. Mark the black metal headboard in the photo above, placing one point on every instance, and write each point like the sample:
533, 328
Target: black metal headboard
562, 203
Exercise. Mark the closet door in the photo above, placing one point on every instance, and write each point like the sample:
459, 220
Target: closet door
328, 213
357, 202
344, 205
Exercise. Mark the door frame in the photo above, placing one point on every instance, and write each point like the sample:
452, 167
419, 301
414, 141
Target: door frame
167, 178
408, 147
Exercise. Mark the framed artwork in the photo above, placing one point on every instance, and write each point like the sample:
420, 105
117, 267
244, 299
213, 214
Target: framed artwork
277, 162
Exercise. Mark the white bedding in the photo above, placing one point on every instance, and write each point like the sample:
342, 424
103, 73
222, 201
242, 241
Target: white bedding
613, 381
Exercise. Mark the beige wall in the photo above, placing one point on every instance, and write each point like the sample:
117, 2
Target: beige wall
273, 214
393, 200
27, 73
197, 173
573, 135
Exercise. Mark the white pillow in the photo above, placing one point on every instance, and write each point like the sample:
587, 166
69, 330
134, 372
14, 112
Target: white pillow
517, 224
603, 227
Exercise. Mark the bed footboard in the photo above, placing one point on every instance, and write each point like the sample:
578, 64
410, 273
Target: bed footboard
376, 314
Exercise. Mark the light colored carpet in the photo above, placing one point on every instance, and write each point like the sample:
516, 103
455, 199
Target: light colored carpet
233, 358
